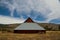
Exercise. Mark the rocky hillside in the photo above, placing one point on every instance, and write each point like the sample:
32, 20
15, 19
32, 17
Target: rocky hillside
50, 26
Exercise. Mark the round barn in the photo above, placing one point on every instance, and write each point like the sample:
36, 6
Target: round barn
29, 27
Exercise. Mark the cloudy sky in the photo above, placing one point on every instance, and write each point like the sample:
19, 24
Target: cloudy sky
41, 11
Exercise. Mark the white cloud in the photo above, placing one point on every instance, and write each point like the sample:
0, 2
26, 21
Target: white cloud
41, 21
27, 6
41, 6
10, 6
49, 8
55, 7
10, 20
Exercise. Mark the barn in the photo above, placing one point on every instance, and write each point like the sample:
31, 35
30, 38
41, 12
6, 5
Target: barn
29, 26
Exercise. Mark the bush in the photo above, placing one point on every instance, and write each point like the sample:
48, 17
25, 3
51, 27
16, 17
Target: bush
59, 27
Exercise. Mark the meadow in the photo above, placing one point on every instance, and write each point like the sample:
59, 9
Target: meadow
49, 35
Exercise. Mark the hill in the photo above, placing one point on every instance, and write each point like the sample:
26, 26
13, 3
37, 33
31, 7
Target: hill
47, 26
50, 26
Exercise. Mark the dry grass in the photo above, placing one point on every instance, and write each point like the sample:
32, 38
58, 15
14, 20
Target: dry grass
50, 35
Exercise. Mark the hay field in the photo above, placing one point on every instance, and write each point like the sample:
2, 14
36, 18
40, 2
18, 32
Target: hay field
50, 35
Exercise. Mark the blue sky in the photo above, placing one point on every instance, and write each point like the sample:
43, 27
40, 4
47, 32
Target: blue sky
4, 11
46, 11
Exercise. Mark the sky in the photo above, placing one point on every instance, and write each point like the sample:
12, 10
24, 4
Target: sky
41, 11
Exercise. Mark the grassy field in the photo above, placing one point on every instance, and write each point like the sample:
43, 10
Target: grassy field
50, 35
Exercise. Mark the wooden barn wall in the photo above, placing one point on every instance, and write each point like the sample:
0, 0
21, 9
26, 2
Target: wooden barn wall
29, 31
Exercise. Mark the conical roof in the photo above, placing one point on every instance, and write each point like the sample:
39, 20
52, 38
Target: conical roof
29, 26
29, 20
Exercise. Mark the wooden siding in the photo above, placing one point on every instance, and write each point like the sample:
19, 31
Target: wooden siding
29, 31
